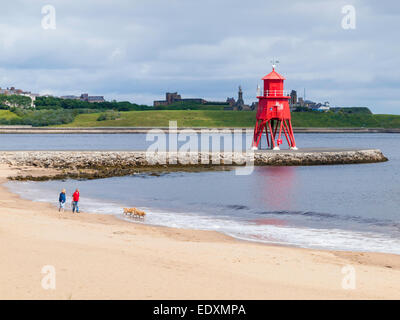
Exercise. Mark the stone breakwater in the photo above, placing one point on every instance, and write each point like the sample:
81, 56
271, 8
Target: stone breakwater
144, 130
99, 160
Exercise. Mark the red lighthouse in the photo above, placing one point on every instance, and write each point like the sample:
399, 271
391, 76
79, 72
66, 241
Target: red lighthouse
273, 113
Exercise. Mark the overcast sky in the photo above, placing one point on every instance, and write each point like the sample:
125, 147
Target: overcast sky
138, 50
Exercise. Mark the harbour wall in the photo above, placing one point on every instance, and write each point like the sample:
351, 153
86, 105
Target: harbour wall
140, 159
131, 130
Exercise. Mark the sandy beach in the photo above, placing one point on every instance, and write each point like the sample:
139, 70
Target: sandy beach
103, 257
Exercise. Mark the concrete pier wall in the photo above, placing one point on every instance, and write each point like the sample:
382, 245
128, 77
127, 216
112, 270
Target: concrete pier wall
144, 130
137, 159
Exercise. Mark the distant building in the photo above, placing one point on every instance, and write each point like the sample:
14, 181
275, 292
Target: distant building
85, 97
293, 98
254, 105
229, 104
310, 104
240, 102
33, 97
238, 105
14, 91
98, 99
194, 100
323, 108
70, 97
230, 101
160, 103
172, 97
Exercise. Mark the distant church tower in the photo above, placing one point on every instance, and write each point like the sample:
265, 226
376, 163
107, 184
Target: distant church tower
240, 103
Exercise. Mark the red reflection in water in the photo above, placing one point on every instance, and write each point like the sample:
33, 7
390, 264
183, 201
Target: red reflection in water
275, 187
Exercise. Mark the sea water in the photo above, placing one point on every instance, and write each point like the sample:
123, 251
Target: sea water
344, 207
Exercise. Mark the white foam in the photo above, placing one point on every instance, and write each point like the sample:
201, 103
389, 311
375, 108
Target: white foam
334, 239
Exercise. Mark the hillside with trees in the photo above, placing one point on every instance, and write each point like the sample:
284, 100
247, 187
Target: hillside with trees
52, 111
18, 101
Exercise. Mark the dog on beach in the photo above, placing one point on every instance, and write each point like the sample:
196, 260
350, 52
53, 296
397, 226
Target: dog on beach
134, 212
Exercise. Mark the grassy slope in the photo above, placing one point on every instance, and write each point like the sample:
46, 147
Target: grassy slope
7, 114
192, 118
212, 118
320, 119
207, 118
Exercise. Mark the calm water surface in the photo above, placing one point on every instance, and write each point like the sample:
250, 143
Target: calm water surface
346, 207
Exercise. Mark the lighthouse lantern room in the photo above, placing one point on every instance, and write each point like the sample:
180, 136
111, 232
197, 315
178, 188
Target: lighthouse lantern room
273, 113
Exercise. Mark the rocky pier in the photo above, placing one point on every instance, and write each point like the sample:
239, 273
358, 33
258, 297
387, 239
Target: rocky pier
140, 159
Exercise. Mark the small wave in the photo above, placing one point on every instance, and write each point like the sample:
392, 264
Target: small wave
237, 207
312, 214
298, 213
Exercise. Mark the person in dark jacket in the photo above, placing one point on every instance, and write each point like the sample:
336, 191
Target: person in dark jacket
61, 200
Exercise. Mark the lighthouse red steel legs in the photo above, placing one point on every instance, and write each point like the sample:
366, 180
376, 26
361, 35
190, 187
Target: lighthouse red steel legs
273, 113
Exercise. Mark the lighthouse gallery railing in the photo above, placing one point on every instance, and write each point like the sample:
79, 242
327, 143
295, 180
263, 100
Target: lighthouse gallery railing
276, 93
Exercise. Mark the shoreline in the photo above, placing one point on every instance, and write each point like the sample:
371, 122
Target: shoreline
144, 130
104, 257
118, 215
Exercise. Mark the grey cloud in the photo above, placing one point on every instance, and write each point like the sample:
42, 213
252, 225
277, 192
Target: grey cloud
137, 50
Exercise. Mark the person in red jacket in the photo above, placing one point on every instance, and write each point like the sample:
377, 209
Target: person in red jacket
75, 201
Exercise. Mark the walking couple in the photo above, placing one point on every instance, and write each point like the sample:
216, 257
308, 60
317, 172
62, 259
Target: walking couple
75, 201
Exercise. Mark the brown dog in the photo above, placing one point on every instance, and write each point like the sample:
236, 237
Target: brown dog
127, 211
140, 213
134, 212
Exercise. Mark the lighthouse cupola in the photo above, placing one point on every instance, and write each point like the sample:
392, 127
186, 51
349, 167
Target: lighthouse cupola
273, 83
